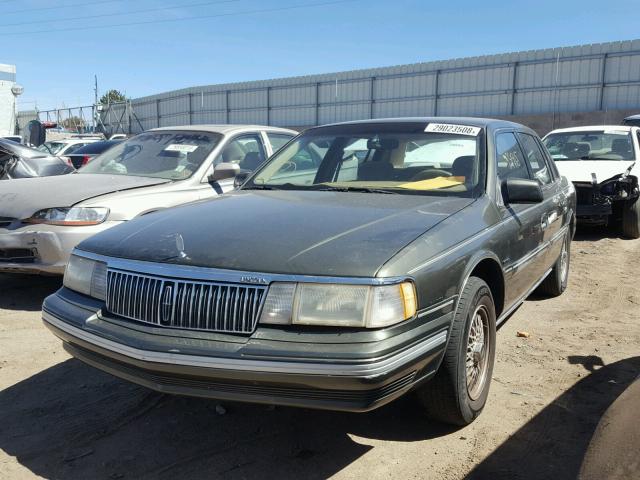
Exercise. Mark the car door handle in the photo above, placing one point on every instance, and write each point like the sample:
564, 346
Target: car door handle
544, 221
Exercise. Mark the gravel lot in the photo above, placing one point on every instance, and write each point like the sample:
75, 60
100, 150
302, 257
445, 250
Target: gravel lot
62, 419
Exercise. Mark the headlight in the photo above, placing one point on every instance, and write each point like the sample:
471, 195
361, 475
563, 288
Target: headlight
74, 216
339, 305
86, 276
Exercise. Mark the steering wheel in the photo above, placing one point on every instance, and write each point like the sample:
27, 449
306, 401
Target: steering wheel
429, 174
288, 167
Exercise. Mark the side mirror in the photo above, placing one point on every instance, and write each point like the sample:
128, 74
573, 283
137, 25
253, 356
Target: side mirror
520, 190
241, 177
223, 171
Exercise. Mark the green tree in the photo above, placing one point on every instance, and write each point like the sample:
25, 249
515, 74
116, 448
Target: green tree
73, 123
112, 96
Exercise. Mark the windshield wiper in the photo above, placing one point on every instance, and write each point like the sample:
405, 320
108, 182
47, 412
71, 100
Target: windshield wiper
343, 188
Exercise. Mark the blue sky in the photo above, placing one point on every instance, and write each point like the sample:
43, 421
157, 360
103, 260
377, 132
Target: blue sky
57, 67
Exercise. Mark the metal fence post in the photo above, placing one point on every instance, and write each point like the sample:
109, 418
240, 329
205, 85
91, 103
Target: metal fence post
268, 105
514, 84
603, 79
372, 96
435, 98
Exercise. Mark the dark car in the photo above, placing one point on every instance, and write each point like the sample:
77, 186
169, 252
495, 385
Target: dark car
362, 260
20, 161
83, 155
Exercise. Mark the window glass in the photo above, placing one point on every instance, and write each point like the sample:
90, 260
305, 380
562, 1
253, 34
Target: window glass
172, 155
511, 163
366, 157
246, 150
74, 147
51, 147
535, 158
278, 140
590, 145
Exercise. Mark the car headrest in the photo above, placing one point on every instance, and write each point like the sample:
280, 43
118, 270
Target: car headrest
251, 161
621, 146
576, 149
375, 171
463, 167
232, 153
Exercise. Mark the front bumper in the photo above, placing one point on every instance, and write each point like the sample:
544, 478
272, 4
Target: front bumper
48, 247
271, 366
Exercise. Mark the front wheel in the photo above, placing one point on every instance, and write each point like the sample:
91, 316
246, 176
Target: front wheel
631, 218
458, 392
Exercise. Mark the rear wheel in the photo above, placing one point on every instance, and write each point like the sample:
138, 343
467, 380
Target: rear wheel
557, 280
631, 218
458, 392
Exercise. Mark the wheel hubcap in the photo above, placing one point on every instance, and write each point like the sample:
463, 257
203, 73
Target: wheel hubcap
477, 358
564, 261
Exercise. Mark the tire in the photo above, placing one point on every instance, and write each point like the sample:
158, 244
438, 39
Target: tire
449, 397
556, 282
631, 218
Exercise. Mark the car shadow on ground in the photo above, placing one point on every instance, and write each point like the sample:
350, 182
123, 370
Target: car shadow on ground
74, 422
553, 443
586, 233
26, 292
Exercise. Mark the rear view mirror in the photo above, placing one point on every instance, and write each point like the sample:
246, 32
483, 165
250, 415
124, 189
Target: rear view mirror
241, 177
223, 171
520, 190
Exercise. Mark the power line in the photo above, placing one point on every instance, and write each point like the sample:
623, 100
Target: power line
198, 17
57, 7
102, 15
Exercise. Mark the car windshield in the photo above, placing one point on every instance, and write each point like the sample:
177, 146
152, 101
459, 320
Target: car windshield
591, 145
51, 147
386, 158
172, 155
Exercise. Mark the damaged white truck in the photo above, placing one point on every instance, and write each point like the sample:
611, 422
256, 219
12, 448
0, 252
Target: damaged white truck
602, 162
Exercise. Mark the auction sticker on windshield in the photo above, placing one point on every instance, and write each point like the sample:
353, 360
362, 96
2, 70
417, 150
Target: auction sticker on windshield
176, 147
451, 128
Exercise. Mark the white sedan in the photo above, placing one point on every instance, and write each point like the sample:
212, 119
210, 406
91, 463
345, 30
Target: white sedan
43, 219
602, 162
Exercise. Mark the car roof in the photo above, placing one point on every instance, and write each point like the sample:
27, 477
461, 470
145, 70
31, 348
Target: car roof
224, 129
591, 128
470, 121
74, 140
633, 117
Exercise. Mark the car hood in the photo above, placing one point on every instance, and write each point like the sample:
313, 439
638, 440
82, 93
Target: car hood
21, 198
581, 170
292, 232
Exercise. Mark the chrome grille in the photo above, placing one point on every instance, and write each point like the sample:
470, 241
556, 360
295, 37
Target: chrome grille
184, 304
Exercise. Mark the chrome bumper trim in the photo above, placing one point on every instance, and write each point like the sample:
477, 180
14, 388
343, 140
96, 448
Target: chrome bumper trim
372, 368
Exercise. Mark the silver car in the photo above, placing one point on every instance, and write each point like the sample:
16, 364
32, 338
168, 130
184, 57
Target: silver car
43, 219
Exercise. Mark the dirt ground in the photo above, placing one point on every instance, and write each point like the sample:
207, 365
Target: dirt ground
62, 419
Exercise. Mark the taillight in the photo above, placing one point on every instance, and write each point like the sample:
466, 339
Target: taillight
85, 159
68, 160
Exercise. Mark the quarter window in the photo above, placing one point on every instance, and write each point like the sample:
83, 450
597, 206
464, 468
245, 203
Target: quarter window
535, 158
511, 162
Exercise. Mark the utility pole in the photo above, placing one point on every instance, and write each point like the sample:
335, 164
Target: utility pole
95, 103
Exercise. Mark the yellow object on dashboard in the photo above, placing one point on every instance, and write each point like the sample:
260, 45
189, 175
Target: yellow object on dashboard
434, 183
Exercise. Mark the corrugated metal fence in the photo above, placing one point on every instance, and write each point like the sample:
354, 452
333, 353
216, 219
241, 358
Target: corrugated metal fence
572, 79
